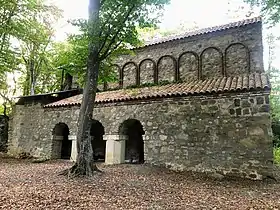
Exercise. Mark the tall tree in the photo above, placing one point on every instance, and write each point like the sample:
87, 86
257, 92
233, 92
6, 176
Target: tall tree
84, 164
112, 25
24, 36
35, 46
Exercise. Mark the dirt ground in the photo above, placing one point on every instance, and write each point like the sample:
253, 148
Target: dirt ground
27, 185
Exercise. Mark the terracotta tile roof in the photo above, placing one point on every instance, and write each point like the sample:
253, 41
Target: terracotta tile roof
254, 81
203, 31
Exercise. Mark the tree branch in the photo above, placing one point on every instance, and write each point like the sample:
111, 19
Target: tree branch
6, 98
114, 48
117, 33
103, 26
106, 38
24, 59
44, 50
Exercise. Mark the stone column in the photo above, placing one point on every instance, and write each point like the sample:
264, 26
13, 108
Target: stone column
115, 149
73, 148
146, 143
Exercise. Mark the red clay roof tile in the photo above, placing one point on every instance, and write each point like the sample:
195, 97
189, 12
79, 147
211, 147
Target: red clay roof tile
202, 31
257, 81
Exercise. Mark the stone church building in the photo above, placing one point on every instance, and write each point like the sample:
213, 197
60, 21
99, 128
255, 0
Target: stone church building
198, 101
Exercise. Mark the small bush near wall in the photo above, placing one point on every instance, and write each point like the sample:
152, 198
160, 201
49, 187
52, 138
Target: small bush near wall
276, 132
276, 154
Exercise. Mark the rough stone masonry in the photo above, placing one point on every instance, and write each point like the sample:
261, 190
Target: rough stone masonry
196, 102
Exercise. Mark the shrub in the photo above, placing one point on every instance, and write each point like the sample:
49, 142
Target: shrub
276, 154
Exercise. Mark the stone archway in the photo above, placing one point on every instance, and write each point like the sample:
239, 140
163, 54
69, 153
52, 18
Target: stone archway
134, 145
98, 144
62, 146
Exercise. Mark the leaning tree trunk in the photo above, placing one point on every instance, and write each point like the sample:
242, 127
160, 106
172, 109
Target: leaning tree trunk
85, 163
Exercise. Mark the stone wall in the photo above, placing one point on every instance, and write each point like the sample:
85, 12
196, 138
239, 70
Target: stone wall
230, 134
223, 53
31, 129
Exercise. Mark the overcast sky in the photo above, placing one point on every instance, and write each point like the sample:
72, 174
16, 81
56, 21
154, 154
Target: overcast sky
204, 13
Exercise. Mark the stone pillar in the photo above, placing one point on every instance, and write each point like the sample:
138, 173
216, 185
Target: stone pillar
73, 148
146, 143
115, 149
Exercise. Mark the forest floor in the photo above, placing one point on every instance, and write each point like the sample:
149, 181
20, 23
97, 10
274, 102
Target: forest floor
26, 185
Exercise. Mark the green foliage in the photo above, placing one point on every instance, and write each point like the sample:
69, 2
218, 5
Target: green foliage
27, 47
269, 8
35, 46
25, 36
274, 75
119, 21
276, 154
150, 33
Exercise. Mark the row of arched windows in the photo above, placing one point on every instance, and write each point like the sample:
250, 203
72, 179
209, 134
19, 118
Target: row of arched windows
211, 62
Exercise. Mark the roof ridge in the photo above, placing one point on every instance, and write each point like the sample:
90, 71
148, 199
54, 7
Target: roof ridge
206, 30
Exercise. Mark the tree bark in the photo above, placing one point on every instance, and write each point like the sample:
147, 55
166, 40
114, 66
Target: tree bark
26, 89
32, 76
68, 82
85, 163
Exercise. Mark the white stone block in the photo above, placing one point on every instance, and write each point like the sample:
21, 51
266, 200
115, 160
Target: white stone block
74, 151
115, 149
72, 138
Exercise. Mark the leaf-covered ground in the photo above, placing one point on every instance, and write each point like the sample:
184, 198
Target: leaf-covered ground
26, 185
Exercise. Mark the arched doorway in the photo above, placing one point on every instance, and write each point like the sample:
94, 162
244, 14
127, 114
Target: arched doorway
134, 146
62, 145
98, 144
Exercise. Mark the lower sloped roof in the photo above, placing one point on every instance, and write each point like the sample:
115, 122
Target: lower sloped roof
251, 82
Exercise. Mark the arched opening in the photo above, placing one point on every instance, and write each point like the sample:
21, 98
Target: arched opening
62, 145
130, 74
134, 146
147, 71
211, 63
167, 69
237, 52
98, 144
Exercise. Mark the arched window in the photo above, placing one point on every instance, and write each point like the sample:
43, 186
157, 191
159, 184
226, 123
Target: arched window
147, 71
211, 63
167, 69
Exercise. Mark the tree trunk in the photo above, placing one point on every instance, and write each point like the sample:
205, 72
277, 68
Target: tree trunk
26, 89
68, 82
85, 163
32, 76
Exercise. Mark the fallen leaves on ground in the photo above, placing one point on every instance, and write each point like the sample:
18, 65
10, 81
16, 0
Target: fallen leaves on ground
26, 185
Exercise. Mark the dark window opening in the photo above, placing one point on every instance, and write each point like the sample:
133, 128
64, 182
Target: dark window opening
134, 149
98, 144
62, 144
